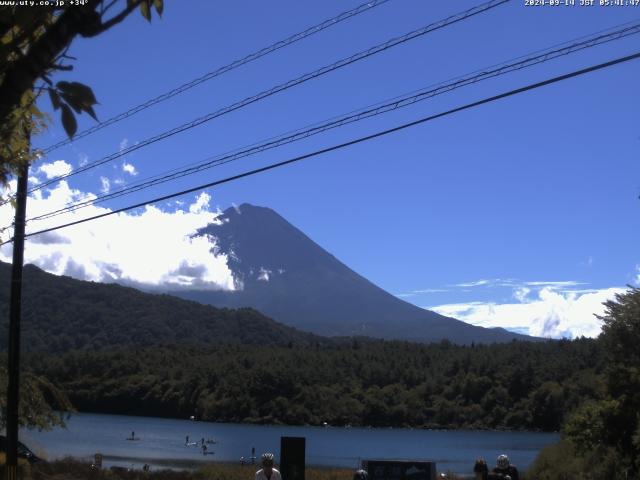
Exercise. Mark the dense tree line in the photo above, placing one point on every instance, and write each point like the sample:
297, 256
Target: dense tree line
519, 385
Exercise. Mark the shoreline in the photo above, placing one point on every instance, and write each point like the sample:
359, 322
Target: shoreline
433, 428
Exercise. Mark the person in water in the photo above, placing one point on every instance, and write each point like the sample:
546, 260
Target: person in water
267, 472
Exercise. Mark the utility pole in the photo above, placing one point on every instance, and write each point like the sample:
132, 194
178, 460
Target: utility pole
15, 308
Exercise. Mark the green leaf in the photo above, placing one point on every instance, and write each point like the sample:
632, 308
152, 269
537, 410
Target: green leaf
79, 90
73, 102
78, 96
69, 121
55, 98
159, 4
89, 110
63, 86
146, 10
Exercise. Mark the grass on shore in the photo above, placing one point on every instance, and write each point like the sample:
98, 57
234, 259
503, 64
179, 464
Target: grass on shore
71, 469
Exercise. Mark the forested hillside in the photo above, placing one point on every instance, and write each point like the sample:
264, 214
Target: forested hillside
61, 314
518, 385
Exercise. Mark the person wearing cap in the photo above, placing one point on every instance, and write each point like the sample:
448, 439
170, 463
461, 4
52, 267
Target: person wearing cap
267, 472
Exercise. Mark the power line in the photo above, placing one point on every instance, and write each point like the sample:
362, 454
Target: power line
374, 110
284, 86
220, 71
347, 144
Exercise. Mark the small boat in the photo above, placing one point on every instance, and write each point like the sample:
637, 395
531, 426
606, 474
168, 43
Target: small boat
133, 439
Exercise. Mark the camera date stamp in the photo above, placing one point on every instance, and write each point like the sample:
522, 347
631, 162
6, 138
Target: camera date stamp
43, 3
582, 3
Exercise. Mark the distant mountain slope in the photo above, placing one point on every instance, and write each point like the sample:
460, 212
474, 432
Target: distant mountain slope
292, 279
60, 313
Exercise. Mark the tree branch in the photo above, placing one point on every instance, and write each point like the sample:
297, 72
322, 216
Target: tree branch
20, 75
103, 27
66, 68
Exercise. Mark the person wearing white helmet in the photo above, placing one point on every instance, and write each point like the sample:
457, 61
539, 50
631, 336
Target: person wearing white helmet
267, 472
504, 468
360, 475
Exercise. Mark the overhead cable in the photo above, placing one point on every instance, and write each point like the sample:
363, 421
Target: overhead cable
378, 109
346, 144
284, 86
220, 71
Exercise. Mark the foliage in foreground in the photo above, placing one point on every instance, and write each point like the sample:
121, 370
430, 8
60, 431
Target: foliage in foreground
41, 403
520, 385
561, 461
34, 41
613, 423
602, 438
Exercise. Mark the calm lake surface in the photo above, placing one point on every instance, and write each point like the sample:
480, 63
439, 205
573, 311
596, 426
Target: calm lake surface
162, 443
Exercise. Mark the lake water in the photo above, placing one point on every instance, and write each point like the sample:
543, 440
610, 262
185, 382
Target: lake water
162, 443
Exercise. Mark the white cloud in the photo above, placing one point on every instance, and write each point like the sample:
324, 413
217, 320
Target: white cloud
588, 262
477, 283
568, 283
638, 274
105, 185
55, 169
153, 248
263, 274
201, 204
129, 168
497, 282
83, 159
521, 294
413, 293
124, 144
552, 313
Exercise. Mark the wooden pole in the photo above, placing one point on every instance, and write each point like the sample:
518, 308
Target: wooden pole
15, 308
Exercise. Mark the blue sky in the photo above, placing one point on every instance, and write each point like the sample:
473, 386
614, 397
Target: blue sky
521, 213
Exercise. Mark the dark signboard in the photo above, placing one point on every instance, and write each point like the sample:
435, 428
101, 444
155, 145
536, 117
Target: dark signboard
292, 458
400, 469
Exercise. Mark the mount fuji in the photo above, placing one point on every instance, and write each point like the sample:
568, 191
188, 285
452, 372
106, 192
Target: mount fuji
284, 274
